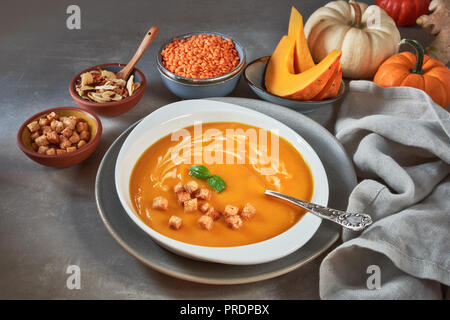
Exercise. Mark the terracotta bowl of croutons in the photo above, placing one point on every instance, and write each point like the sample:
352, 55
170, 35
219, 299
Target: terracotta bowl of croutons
97, 90
60, 137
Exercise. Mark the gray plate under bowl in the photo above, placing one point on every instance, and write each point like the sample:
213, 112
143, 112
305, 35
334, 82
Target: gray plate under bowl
254, 74
341, 177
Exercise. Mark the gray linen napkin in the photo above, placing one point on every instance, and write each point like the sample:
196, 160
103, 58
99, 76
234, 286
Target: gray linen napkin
399, 141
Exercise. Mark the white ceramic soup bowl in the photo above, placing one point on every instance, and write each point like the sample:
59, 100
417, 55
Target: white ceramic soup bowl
172, 117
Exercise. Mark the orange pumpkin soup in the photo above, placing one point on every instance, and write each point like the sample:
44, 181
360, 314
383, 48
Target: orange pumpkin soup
229, 151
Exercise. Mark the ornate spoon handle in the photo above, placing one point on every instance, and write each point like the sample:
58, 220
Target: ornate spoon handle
353, 221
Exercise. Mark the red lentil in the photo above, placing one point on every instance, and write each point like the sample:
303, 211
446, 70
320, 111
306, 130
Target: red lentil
200, 56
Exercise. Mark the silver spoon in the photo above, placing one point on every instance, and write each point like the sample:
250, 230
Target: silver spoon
354, 221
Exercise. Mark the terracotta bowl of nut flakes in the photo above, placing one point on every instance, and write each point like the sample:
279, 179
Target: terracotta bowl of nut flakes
201, 64
60, 137
107, 96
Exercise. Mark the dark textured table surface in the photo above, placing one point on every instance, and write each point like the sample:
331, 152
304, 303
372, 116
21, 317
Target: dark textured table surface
48, 217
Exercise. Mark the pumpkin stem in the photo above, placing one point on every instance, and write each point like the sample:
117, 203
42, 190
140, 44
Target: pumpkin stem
358, 14
420, 52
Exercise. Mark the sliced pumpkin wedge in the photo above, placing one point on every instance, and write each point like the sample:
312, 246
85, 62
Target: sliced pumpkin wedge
280, 80
302, 56
331, 89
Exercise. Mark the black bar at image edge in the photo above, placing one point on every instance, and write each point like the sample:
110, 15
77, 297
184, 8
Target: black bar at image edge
217, 309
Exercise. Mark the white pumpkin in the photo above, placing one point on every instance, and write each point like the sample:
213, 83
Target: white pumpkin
366, 37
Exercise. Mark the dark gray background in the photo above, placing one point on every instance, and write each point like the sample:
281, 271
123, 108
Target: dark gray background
48, 217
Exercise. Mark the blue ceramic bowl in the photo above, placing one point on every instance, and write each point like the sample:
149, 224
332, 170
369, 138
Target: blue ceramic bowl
254, 74
188, 88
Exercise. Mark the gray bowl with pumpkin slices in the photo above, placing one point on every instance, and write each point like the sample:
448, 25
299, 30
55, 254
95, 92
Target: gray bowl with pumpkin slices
254, 74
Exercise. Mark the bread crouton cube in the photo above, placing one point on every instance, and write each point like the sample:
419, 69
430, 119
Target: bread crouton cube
213, 213
64, 142
248, 211
234, 222
75, 137
178, 188
71, 149
42, 149
82, 126
53, 124
175, 222
60, 151
85, 135
52, 137
57, 126
202, 194
46, 129
230, 210
204, 207
35, 135
41, 141
160, 203
81, 143
52, 116
33, 126
190, 205
182, 197
205, 222
69, 123
76, 119
191, 186
67, 132
43, 122
51, 152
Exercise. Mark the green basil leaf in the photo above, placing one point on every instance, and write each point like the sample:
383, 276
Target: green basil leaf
216, 183
199, 172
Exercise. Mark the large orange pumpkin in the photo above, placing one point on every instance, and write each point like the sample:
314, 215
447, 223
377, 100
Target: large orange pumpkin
417, 71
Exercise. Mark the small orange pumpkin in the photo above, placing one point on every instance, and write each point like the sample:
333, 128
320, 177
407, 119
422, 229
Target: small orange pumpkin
417, 71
